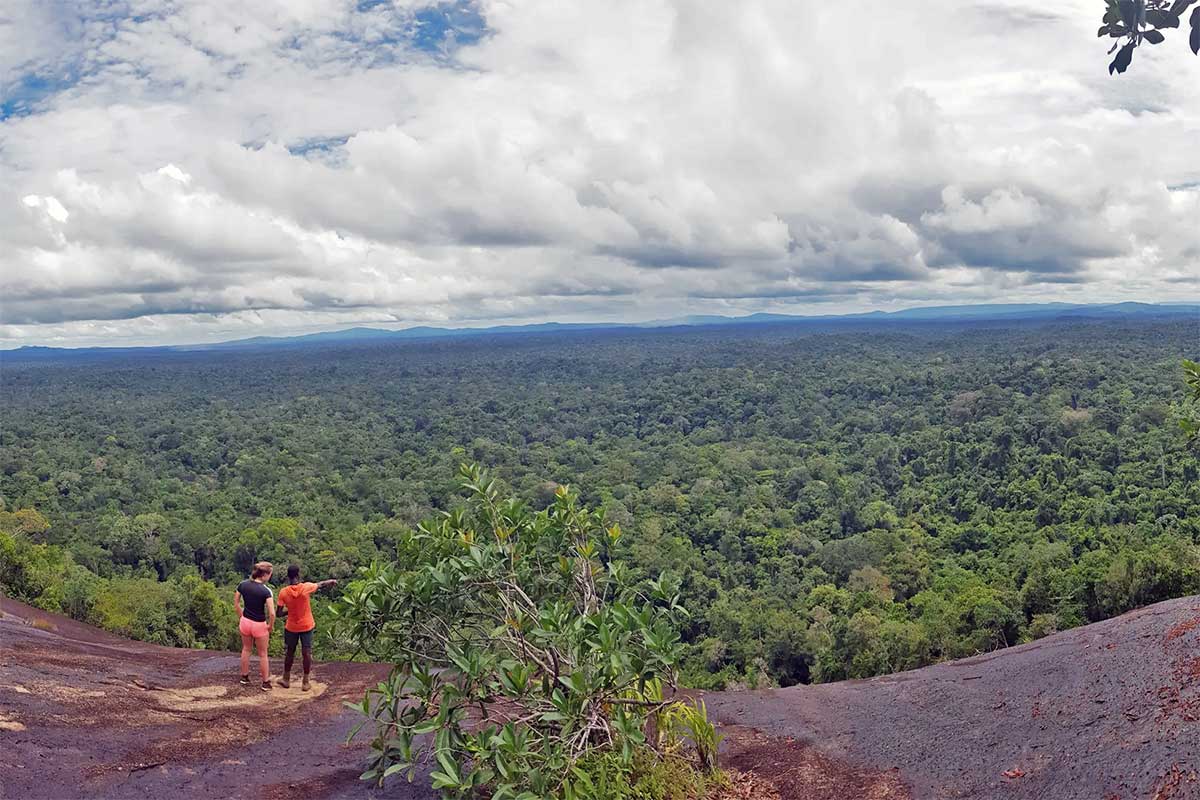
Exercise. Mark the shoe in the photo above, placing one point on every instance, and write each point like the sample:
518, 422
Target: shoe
304, 687
285, 682
244, 680
266, 686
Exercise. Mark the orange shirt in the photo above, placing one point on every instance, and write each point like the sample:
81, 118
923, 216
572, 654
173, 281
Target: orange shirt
295, 597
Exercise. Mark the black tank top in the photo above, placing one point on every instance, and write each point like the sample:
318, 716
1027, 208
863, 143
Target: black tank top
254, 599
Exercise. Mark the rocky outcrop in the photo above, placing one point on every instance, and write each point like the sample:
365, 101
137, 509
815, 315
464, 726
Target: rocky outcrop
1106, 712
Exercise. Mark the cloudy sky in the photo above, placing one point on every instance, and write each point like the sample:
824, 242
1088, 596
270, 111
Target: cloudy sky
179, 171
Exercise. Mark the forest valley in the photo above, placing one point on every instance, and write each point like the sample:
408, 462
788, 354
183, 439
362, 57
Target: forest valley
839, 503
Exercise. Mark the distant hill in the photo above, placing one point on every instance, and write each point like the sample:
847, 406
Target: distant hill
994, 311
1003, 312
361, 334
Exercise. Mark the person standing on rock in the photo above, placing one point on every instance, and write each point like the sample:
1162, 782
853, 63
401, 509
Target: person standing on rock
255, 604
293, 599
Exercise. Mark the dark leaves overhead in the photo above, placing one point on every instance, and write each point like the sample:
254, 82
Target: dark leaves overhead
1133, 13
1121, 62
1162, 19
1143, 21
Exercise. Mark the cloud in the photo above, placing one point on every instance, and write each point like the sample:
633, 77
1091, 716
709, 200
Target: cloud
1001, 209
1008, 229
180, 170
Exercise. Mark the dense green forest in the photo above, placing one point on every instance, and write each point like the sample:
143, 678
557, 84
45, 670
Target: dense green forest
841, 502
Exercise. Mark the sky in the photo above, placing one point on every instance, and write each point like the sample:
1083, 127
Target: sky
175, 171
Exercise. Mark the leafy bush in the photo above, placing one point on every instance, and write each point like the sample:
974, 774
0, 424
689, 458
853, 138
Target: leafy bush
693, 718
648, 776
184, 612
32, 573
535, 662
136, 608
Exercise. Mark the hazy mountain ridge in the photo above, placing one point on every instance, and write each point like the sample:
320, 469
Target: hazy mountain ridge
1011, 312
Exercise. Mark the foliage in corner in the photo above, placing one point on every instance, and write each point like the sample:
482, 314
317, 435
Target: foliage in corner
519, 648
1135, 22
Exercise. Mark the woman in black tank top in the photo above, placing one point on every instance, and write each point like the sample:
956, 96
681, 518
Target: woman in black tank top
255, 603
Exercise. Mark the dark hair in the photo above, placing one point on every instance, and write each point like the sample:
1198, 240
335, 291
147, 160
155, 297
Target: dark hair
293, 572
261, 569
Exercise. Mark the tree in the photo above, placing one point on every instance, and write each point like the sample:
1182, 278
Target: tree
520, 647
1191, 419
1133, 23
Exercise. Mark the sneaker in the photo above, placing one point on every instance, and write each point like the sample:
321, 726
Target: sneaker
266, 686
285, 682
244, 680
304, 687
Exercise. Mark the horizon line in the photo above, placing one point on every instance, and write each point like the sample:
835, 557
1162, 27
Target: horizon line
679, 321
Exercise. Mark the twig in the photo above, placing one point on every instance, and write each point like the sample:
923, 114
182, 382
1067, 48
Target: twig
141, 767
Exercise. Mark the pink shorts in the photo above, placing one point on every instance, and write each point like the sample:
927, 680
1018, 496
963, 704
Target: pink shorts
255, 630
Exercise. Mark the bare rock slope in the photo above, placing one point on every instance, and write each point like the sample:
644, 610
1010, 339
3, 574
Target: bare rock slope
1109, 711
1106, 712
84, 713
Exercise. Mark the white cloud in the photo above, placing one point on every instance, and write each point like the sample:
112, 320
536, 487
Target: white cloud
999, 210
54, 209
196, 170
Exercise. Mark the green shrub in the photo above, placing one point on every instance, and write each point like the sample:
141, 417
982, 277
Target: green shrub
605, 776
136, 608
519, 646
32, 573
184, 612
693, 718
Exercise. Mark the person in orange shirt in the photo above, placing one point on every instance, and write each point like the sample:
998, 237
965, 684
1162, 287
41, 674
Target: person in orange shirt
293, 598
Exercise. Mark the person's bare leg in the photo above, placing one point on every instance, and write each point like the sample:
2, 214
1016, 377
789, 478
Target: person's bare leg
306, 656
247, 646
264, 665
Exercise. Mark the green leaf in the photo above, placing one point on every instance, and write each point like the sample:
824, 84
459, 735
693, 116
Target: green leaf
428, 726
448, 764
443, 781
